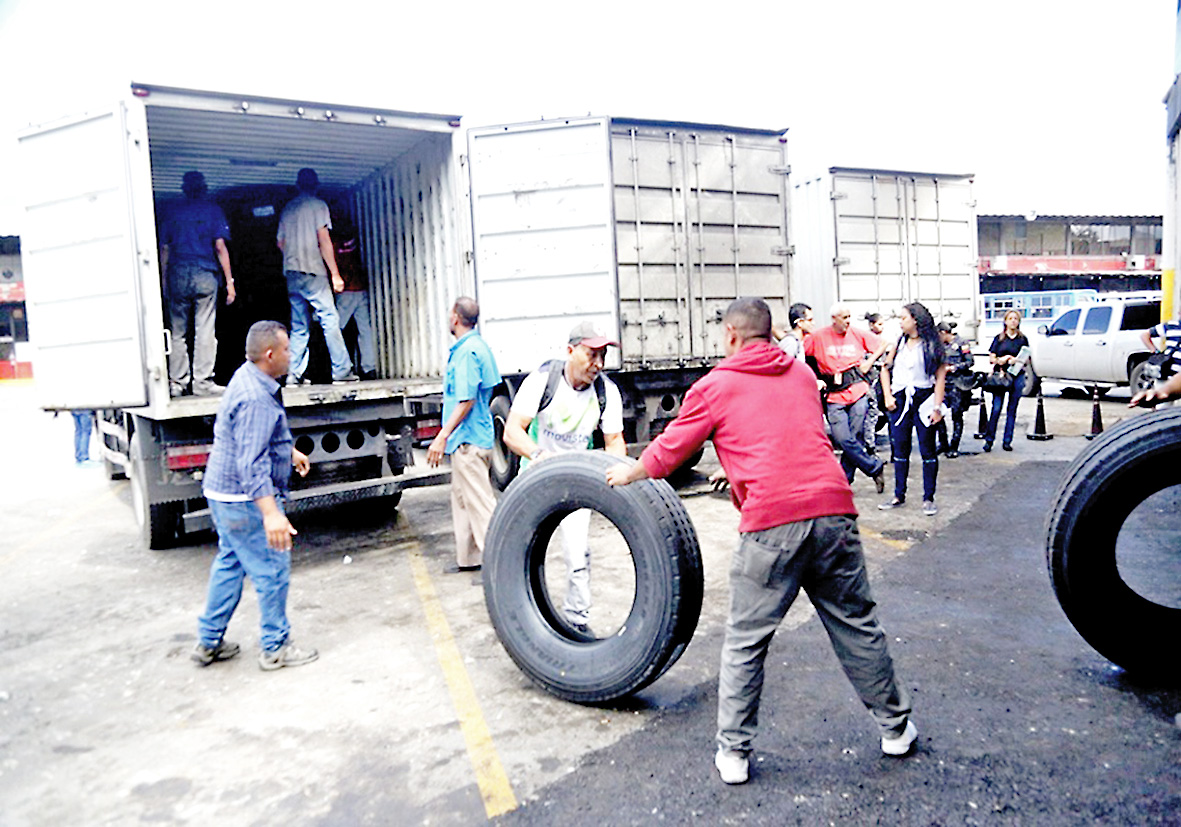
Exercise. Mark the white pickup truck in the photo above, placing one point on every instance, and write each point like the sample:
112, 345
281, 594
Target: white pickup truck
1098, 342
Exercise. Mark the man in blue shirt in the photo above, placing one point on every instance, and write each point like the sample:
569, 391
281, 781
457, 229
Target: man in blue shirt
245, 481
467, 434
192, 249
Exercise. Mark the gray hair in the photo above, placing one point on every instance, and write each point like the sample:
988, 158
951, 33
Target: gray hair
839, 309
261, 337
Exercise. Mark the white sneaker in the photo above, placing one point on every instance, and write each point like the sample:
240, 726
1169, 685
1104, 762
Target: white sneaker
902, 744
734, 767
286, 655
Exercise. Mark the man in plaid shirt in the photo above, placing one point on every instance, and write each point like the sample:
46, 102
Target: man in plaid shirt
245, 482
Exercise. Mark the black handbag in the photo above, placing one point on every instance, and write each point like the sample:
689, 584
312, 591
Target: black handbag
999, 381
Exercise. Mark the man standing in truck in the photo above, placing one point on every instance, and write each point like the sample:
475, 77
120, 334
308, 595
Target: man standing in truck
192, 249
797, 530
467, 434
558, 409
245, 481
308, 262
840, 353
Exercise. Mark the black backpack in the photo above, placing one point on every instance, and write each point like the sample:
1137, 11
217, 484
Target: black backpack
556, 368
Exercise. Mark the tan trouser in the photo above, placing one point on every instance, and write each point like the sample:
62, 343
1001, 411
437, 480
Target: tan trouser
472, 502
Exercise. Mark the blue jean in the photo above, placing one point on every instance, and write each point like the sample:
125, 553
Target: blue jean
354, 304
824, 557
307, 291
998, 399
242, 550
82, 424
848, 429
903, 420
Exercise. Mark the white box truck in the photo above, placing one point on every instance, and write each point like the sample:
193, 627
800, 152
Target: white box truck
876, 239
647, 228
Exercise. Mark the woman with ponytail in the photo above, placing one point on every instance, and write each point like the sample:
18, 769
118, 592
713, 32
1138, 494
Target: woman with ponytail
912, 385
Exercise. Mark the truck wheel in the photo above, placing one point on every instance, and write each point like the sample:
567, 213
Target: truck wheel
1143, 377
1105, 483
1032, 382
505, 464
159, 524
668, 579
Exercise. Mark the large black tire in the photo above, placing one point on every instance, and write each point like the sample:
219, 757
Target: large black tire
505, 464
668, 579
1105, 483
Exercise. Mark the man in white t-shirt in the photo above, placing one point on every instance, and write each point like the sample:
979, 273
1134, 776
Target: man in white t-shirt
558, 409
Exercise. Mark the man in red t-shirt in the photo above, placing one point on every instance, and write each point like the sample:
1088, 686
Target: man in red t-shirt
797, 530
840, 354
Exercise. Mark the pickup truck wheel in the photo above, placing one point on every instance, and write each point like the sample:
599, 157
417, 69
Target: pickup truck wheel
1033, 382
1142, 377
505, 464
1102, 487
668, 580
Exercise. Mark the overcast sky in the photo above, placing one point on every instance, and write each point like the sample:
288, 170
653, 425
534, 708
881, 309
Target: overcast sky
1054, 105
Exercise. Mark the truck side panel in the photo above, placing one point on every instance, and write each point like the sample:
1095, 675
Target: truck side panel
701, 218
408, 218
82, 265
544, 246
878, 239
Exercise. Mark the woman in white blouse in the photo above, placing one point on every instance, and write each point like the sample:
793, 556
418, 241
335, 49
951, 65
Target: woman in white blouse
912, 386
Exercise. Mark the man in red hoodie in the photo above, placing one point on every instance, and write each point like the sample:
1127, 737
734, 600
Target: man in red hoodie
798, 529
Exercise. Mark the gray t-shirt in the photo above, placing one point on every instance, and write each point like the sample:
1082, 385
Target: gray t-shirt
299, 226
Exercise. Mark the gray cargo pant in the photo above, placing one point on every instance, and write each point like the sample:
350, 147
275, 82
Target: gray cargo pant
192, 305
823, 556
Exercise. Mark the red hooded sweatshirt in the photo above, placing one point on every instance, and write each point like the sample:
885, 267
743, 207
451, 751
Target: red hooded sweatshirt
762, 410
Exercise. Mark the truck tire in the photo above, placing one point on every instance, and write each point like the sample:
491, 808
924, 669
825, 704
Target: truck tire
159, 524
1142, 377
1033, 382
1104, 484
668, 579
505, 464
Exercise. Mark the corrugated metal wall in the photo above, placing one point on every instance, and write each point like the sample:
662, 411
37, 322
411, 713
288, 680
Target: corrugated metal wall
878, 239
701, 218
406, 215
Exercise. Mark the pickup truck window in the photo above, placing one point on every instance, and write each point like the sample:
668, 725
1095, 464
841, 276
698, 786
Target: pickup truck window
1098, 318
1066, 324
1140, 316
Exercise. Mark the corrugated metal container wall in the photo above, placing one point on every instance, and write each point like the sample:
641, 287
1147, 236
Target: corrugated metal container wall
408, 219
893, 237
701, 218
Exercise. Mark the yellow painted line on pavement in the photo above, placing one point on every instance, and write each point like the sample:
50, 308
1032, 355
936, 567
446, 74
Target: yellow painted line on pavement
900, 545
495, 789
62, 524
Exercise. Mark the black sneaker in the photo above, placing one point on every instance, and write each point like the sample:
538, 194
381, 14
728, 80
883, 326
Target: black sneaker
224, 650
368, 375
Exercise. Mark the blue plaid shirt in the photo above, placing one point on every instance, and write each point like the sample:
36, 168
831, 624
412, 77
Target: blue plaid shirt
251, 455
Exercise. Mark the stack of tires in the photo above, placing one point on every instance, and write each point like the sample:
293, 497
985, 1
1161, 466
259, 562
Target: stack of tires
668, 579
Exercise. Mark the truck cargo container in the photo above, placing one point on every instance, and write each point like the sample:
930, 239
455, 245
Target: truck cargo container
877, 239
647, 228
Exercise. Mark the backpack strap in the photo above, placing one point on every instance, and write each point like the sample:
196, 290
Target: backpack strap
555, 368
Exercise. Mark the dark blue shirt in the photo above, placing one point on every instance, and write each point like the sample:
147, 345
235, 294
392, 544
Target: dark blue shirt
251, 455
471, 374
190, 231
